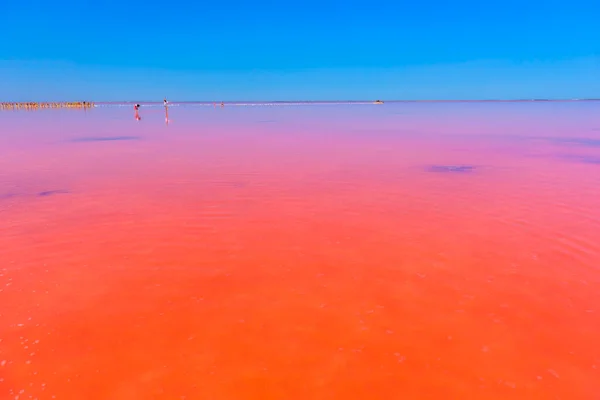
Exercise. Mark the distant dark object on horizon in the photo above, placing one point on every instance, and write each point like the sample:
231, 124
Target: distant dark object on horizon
451, 168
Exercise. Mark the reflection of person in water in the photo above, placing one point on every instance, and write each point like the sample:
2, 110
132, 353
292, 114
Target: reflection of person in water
136, 107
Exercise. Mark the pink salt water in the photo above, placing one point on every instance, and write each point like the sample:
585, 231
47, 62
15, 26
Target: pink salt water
303, 252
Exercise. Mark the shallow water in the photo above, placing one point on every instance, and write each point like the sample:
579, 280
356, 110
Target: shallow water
303, 252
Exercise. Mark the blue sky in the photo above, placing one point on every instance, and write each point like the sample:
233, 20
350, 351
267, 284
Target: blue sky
240, 50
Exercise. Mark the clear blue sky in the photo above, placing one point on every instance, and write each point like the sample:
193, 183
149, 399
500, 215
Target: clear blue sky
277, 50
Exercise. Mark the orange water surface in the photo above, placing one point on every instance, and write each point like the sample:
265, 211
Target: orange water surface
397, 251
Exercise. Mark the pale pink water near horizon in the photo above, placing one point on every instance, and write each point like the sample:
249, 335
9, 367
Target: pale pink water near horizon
415, 250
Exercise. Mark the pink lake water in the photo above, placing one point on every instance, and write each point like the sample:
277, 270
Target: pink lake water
420, 251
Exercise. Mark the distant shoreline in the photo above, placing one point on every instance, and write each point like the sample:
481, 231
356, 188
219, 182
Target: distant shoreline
339, 101
301, 102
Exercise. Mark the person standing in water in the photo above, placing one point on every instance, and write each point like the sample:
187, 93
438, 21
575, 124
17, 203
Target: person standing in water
166, 103
136, 107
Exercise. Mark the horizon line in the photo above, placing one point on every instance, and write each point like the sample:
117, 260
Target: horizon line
350, 101
115, 102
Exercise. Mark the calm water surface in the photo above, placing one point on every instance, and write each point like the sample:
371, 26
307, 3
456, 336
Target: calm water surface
418, 251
